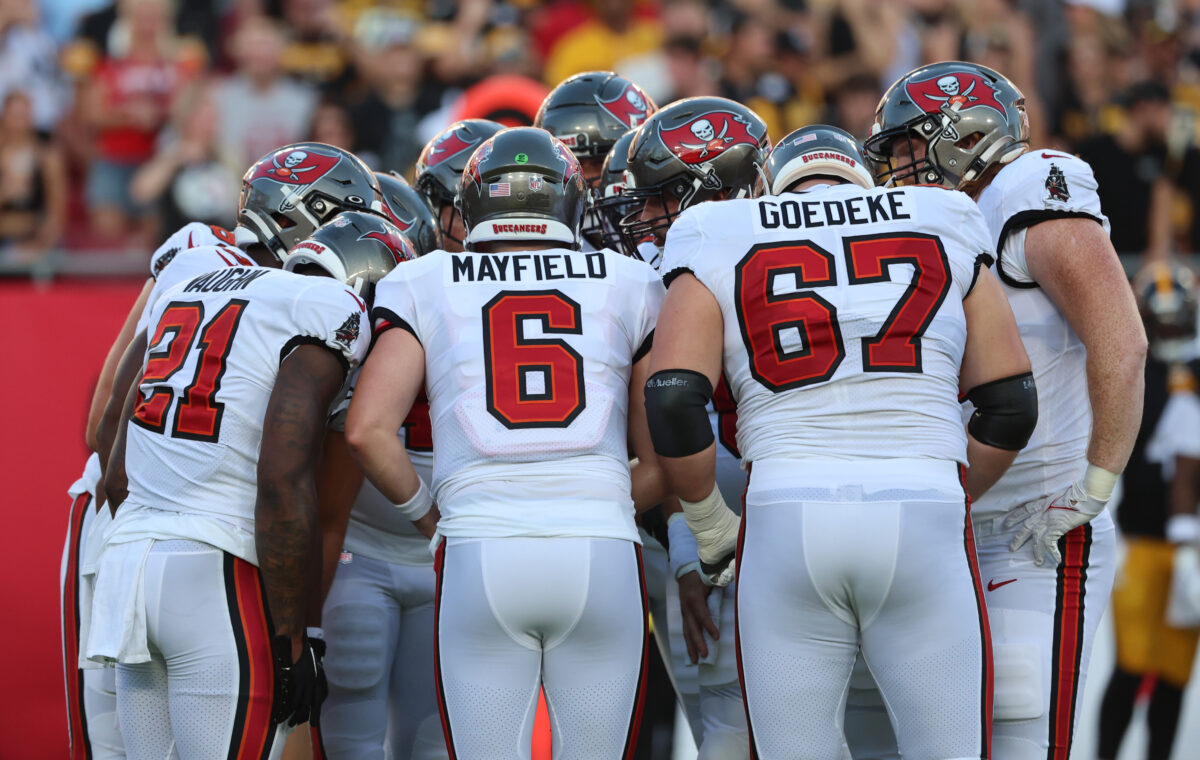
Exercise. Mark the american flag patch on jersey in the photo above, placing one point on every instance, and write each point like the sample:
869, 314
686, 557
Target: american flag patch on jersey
345, 558
499, 189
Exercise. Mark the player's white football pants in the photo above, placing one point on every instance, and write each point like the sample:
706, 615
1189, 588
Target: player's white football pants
835, 554
378, 622
516, 614
92, 725
1043, 622
208, 688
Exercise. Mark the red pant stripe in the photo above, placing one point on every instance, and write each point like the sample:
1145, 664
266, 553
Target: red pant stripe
640, 698
81, 746
439, 564
254, 729
1068, 640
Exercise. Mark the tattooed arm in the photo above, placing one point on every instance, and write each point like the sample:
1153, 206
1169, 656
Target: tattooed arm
286, 523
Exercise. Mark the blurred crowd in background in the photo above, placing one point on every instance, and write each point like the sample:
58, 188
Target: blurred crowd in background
121, 121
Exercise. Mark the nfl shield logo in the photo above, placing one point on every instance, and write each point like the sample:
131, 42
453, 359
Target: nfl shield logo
345, 558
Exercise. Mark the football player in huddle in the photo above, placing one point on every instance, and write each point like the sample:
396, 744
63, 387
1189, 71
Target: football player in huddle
532, 354
439, 169
319, 179
847, 321
1157, 517
92, 725
1046, 542
589, 113
668, 170
211, 563
193, 249
378, 611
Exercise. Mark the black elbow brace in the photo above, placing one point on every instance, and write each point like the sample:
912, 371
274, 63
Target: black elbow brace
676, 411
1005, 412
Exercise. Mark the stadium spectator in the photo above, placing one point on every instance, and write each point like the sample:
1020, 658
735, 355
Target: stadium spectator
126, 104
261, 108
385, 117
191, 178
33, 184
617, 31
29, 62
1129, 167
853, 105
315, 53
331, 124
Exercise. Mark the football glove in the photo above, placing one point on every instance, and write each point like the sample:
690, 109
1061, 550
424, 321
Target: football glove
300, 686
1047, 520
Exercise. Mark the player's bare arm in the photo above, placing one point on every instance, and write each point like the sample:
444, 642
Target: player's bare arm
693, 591
995, 369
101, 395
685, 366
123, 381
286, 513
386, 390
339, 480
114, 477
1075, 264
649, 483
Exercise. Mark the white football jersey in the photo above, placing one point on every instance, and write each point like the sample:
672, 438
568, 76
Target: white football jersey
527, 364
190, 235
215, 345
376, 528
844, 325
184, 264
1039, 186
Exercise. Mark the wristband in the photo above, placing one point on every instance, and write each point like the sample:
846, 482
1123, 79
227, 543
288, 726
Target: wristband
711, 521
682, 554
1183, 529
315, 632
1099, 482
419, 505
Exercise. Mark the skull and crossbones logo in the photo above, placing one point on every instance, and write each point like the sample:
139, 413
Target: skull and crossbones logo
955, 95
290, 162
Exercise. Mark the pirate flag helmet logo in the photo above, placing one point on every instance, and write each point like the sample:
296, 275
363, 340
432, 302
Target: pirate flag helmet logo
707, 136
963, 89
294, 166
631, 106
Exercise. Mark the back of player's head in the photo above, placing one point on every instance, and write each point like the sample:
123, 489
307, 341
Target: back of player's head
355, 248
523, 184
691, 151
290, 192
589, 112
1167, 299
947, 124
439, 168
410, 212
818, 151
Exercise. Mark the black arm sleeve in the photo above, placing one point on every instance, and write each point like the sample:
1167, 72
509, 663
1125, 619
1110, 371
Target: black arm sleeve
676, 401
1006, 412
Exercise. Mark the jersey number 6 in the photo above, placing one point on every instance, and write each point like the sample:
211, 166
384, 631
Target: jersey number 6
793, 337
197, 415
532, 382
